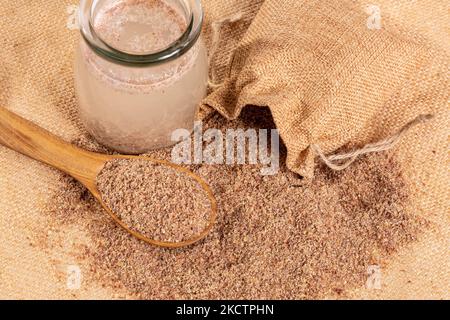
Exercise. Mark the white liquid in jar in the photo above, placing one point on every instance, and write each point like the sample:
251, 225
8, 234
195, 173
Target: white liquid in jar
136, 109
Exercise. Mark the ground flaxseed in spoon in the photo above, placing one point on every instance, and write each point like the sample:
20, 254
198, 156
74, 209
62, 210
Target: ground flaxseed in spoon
155, 200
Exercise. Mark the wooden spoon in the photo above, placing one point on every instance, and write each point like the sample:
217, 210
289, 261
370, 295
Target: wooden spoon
33, 141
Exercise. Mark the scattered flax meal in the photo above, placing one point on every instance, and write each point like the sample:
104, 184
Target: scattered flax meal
155, 200
277, 237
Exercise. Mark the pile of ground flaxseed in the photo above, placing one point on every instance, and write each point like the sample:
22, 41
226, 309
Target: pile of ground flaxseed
277, 237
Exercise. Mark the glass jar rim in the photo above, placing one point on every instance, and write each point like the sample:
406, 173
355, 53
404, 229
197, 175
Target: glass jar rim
176, 49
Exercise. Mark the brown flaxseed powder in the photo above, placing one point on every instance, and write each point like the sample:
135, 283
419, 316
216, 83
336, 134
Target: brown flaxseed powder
155, 200
277, 237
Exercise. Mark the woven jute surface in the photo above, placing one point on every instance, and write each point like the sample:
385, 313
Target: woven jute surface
327, 77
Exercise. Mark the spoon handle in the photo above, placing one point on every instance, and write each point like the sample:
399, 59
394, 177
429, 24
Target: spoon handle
33, 141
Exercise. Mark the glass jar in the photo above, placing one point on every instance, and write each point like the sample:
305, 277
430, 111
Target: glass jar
141, 71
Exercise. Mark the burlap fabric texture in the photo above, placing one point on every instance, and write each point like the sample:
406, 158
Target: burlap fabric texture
327, 77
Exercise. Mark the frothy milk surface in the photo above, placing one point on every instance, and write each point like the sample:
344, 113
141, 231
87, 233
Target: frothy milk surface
136, 109
139, 26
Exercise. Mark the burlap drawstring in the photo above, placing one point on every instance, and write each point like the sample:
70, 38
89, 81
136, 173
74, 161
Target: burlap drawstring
335, 161
216, 28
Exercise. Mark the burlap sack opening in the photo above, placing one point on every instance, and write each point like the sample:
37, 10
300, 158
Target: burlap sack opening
36, 82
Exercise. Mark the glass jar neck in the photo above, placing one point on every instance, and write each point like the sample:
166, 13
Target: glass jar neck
190, 10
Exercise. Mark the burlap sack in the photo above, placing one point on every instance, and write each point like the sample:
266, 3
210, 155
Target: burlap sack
332, 76
326, 77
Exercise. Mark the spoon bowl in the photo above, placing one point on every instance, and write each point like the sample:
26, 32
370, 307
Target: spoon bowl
33, 141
